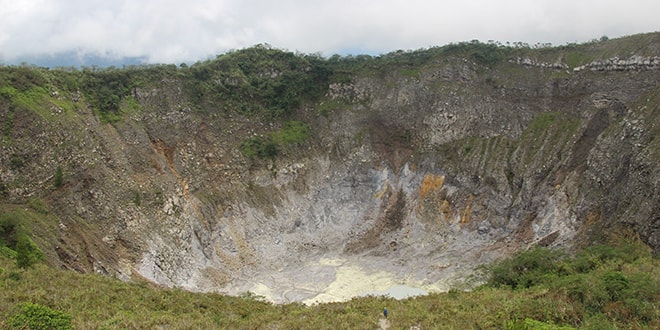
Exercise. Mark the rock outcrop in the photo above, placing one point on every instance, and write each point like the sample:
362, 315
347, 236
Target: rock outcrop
634, 63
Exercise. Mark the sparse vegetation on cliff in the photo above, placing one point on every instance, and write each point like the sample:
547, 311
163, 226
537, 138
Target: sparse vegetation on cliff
293, 133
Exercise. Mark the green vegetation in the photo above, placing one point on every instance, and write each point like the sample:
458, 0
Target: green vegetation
264, 81
35, 316
326, 107
4, 190
259, 147
58, 178
16, 161
27, 253
256, 81
106, 89
32, 89
259, 81
531, 324
547, 133
604, 48
613, 286
15, 242
137, 199
574, 59
8, 127
526, 269
293, 132
410, 72
483, 53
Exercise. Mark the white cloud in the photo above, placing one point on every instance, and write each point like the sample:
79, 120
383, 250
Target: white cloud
173, 31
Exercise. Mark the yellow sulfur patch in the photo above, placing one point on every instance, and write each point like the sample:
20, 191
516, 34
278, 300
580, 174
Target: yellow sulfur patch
431, 183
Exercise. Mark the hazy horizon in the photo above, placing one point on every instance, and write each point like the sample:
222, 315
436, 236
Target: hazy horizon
174, 32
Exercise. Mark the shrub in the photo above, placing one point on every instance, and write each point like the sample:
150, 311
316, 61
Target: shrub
598, 322
15, 243
259, 81
642, 285
596, 256
27, 253
9, 226
58, 179
106, 89
14, 276
35, 316
16, 161
483, 53
531, 324
615, 284
251, 296
269, 150
526, 269
7, 252
293, 132
259, 147
584, 291
4, 190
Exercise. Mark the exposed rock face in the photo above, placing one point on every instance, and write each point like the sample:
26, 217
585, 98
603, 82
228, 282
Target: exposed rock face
422, 176
634, 63
533, 63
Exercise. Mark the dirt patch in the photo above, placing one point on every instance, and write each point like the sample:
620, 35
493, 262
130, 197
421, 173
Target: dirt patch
393, 141
525, 230
160, 147
393, 215
384, 323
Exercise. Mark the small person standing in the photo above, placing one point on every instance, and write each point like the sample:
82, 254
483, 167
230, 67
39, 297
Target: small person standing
385, 312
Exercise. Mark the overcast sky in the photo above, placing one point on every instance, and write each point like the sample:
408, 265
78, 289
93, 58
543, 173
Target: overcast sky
175, 31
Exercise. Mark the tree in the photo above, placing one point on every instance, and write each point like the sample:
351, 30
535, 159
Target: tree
58, 179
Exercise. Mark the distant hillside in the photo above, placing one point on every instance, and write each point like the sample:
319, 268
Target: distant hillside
76, 60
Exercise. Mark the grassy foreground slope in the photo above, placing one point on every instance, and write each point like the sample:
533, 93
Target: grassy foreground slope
603, 287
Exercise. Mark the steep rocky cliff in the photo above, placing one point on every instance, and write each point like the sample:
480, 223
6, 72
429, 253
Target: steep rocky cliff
414, 166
